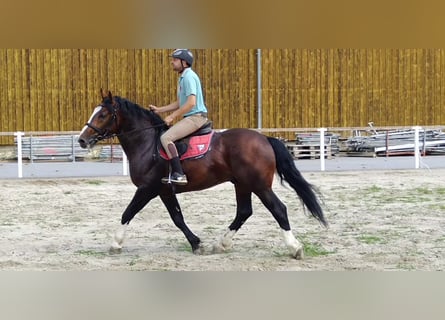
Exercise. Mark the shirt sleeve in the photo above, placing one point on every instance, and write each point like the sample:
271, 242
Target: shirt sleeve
190, 87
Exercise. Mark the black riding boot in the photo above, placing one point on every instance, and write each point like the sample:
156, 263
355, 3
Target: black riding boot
177, 175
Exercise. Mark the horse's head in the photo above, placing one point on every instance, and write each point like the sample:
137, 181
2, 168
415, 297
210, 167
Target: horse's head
103, 123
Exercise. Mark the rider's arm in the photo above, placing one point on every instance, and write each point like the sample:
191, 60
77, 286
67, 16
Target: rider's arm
170, 107
186, 107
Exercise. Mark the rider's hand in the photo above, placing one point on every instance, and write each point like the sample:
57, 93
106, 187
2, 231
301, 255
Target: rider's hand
168, 120
153, 108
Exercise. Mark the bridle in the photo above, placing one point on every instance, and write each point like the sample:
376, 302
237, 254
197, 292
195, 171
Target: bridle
103, 134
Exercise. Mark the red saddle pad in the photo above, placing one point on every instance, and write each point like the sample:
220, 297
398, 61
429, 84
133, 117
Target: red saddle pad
197, 146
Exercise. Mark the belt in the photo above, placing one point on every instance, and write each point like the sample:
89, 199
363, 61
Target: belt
202, 114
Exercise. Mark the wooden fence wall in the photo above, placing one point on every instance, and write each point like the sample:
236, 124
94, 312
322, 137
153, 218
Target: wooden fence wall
348, 87
56, 89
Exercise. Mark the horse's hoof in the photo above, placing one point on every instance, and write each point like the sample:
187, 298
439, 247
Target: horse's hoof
115, 250
218, 248
299, 255
199, 251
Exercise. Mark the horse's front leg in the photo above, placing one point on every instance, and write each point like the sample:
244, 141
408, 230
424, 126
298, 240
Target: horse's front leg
171, 203
142, 196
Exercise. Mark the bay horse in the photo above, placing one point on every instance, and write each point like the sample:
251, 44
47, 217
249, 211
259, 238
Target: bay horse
246, 158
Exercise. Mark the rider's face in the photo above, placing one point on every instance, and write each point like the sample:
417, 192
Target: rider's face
177, 64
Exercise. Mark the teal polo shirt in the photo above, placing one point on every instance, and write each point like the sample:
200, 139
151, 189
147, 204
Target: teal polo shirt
189, 84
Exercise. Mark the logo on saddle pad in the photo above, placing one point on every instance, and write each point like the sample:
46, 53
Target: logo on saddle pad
196, 146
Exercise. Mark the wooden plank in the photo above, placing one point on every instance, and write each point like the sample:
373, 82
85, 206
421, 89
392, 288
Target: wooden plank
55, 89
304, 151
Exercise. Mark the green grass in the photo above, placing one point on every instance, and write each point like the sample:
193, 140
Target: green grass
370, 239
315, 250
133, 261
373, 189
422, 190
185, 247
437, 207
405, 266
95, 182
211, 229
92, 253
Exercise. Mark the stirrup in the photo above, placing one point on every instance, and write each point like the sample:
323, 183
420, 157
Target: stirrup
176, 178
166, 180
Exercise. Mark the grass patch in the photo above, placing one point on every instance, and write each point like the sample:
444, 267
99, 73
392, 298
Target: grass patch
405, 266
94, 182
281, 254
133, 261
211, 229
440, 207
91, 253
411, 199
422, 190
373, 189
368, 239
185, 247
315, 250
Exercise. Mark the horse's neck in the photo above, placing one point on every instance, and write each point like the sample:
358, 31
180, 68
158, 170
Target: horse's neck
139, 143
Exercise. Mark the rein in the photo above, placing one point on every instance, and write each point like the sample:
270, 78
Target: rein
105, 134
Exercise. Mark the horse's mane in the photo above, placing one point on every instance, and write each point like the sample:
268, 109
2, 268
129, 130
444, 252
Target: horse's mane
137, 111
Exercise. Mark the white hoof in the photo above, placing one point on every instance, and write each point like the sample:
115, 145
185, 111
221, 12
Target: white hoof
225, 243
299, 255
218, 248
119, 237
115, 248
294, 246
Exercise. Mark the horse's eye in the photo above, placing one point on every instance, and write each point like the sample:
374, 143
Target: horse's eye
102, 116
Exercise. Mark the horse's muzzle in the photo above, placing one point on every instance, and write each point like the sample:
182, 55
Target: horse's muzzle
83, 144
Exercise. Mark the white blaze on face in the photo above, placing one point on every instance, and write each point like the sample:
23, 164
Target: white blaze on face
96, 110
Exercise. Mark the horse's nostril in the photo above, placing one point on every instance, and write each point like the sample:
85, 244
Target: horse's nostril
82, 143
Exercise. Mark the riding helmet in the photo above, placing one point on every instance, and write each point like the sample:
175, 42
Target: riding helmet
183, 54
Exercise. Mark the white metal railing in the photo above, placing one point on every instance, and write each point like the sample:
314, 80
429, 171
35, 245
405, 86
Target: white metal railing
44, 140
19, 140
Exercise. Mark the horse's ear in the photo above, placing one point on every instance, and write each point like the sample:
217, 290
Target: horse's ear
102, 93
110, 96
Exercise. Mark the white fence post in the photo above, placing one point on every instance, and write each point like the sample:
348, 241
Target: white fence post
416, 147
19, 135
124, 164
322, 162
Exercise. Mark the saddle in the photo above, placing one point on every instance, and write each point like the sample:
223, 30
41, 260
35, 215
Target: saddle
193, 146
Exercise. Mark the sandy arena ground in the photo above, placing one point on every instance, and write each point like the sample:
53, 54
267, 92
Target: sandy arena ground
379, 220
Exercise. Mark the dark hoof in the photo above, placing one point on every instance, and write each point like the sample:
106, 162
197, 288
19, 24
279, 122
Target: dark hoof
199, 251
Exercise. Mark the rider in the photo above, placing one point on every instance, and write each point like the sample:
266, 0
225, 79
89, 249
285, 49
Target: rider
189, 105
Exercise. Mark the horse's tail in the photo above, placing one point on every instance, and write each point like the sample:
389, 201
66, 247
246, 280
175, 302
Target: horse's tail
287, 170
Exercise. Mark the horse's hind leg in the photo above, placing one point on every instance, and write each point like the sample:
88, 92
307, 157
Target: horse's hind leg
171, 203
279, 212
243, 212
